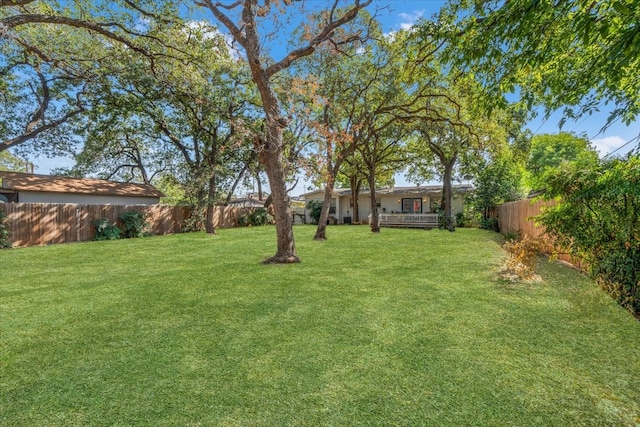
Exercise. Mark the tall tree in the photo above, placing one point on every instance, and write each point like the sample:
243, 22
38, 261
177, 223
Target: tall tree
193, 117
499, 175
446, 143
389, 97
49, 52
566, 54
460, 136
498, 179
244, 19
341, 84
353, 175
382, 154
548, 152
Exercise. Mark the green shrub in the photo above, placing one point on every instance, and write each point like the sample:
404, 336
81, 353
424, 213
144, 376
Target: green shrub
195, 221
489, 224
254, 217
4, 233
461, 220
597, 220
105, 230
259, 216
243, 220
315, 208
134, 224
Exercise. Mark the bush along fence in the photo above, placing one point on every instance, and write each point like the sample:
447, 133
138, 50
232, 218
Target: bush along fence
33, 224
604, 233
517, 217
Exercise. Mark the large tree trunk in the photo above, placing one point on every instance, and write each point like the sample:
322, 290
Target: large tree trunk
209, 227
371, 178
447, 193
355, 184
286, 248
271, 156
211, 204
321, 231
332, 171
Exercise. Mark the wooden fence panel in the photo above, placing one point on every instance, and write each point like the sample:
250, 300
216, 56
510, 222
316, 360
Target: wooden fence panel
225, 216
33, 224
518, 217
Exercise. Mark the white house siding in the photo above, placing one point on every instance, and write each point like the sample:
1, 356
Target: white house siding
394, 203
339, 205
388, 203
457, 205
391, 204
345, 209
42, 197
364, 205
344, 206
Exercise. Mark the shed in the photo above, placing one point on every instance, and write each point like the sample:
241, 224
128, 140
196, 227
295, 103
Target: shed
33, 188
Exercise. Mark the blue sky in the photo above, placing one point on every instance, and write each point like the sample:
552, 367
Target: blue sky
402, 14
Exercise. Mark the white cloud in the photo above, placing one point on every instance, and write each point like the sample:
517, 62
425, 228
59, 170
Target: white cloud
607, 144
143, 24
408, 20
210, 31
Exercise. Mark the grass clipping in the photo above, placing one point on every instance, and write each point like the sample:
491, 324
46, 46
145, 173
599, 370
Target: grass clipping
522, 258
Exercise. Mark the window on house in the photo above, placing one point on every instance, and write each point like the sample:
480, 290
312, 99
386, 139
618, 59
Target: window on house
412, 205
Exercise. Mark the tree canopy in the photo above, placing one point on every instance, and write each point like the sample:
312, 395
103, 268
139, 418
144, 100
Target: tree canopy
574, 55
50, 53
11, 163
549, 152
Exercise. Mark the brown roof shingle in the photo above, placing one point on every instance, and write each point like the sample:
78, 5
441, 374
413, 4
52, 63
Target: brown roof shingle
18, 181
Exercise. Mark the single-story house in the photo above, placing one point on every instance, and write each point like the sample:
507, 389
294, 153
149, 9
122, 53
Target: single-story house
396, 200
33, 188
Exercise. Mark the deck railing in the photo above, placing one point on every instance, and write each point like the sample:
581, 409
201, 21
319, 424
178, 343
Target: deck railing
425, 220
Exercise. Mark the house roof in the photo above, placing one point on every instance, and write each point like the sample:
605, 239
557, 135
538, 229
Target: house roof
18, 181
397, 191
247, 202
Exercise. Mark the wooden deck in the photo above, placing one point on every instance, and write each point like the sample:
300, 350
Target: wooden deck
429, 220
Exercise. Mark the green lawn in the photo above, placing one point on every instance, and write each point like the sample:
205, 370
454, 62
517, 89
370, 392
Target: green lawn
404, 328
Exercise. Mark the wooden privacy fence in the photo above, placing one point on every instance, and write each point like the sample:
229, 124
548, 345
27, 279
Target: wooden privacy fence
226, 216
32, 224
518, 217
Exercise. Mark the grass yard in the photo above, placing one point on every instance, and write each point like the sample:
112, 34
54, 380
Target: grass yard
404, 328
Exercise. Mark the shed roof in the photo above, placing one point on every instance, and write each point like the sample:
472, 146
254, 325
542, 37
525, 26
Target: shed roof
18, 181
